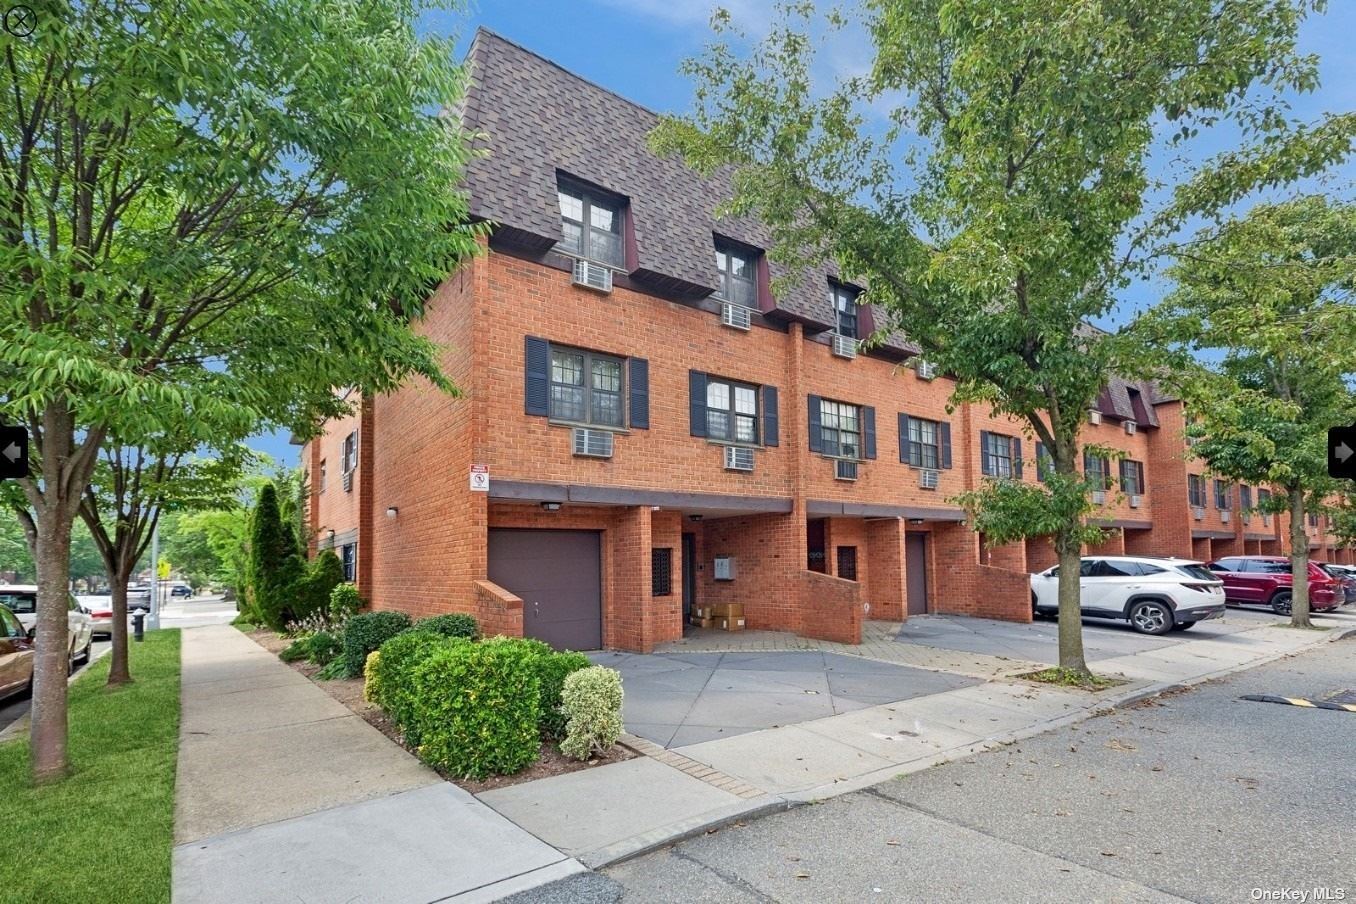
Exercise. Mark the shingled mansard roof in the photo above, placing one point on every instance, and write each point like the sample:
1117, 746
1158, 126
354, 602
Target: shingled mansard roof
539, 121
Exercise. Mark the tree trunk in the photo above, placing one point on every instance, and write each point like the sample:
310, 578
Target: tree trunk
118, 672
1071, 657
1299, 562
51, 663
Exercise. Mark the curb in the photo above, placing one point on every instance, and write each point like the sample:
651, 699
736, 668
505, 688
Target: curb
629, 849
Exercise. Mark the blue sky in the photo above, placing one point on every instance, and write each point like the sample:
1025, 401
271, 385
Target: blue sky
635, 47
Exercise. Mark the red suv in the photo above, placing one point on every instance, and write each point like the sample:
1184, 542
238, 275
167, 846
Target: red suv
1266, 581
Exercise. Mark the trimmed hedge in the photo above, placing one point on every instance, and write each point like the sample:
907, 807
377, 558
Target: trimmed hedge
391, 677
453, 624
592, 699
475, 707
367, 632
552, 670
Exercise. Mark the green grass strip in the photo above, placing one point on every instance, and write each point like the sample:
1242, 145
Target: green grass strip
106, 832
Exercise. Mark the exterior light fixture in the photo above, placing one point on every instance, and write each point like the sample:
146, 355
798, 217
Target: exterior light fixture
551, 506
694, 517
330, 533
915, 520
392, 511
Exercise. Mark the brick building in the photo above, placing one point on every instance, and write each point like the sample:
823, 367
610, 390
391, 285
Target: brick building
644, 425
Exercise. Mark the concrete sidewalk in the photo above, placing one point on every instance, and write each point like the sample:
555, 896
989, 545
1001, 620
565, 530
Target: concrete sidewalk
690, 789
284, 794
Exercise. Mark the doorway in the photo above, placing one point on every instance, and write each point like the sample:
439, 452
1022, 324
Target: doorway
815, 535
689, 575
916, 572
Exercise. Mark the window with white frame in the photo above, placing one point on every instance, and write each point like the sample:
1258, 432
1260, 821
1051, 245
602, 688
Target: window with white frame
348, 555
736, 270
844, 302
321, 478
925, 450
586, 387
349, 458
840, 426
731, 411
590, 225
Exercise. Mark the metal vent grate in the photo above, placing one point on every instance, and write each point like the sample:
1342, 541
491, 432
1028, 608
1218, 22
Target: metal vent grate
926, 370
1094, 416
844, 470
592, 443
738, 458
844, 346
592, 276
1130, 427
1135, 501
928, 479
736, 316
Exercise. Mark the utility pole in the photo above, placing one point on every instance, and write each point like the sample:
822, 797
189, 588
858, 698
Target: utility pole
155, 577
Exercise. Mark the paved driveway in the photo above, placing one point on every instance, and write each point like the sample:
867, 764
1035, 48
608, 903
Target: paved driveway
1039, 640
680, 699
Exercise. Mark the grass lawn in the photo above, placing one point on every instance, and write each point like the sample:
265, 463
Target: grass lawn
106, 832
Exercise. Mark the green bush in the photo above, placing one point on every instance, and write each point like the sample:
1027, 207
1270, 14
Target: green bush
393, 676
372, 678
367, 632
475, 707
314, 588
552, 670
322, 647
335, 669
296, 651
592, 699
453, 624
344, 603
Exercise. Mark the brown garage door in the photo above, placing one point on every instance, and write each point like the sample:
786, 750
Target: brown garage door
558, 575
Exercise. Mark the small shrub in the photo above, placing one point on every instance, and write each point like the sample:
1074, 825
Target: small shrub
367, 632
322, 647
476, 707
372, 677
314, 587
553, 669
345, 602
453, 624
393, 672
296, 651
592, 699
334, 670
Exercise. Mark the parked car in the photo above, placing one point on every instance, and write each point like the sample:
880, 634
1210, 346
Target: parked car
16, 656
22, 600
180, 588
138, 597
1156, 595
100, 609
1346, 576
1266, 581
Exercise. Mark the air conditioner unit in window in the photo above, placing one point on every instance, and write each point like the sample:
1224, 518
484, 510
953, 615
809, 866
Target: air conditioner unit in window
592, 443
736, 315
1099, 497
1094, 416
738, 458
926, 370
1130, 427
844, 470
348, 481
844, 346
1247, 518
1135, 501
592, 276
1266, 521
929, 478
1198, 513
1224, 516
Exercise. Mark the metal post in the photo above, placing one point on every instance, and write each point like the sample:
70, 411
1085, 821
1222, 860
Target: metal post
154, 620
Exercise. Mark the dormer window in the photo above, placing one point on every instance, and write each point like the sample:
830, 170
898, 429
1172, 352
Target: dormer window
590, 225
844, 302
736, 270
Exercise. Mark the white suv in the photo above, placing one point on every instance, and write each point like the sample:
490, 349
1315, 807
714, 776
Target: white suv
1155, 595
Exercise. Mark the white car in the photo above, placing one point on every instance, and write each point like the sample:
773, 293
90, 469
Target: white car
22, 600
1155, 595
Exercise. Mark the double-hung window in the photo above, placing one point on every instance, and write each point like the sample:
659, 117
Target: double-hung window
736, 270
1132, 477
349, 458
844, 302
586, 387
322, 475
997, 455
1263, 503
348, 555
731, 411
1196, 490
1222, 488
840, 429
590, 225
925, 450
1096, 469
1245, 499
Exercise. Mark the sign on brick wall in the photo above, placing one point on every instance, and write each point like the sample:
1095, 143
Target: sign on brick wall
480, 478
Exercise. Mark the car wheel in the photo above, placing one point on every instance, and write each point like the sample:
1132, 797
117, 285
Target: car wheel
1150, 618
88, 651
1280, 603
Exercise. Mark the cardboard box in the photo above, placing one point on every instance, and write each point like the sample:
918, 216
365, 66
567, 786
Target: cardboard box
703, 612
730, 624
701, 622
727, 610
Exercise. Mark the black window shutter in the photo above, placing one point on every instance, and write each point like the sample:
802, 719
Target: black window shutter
1040, 457
1017, 457
537, 376
904, 438
869, 431
984, 453
640, 393
944, 440
770, 416
816, 435
696, 401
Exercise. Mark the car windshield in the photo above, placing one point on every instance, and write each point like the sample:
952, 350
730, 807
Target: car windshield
21, 602
1199, 572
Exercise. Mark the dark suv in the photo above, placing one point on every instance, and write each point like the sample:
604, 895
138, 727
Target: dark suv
1266, 581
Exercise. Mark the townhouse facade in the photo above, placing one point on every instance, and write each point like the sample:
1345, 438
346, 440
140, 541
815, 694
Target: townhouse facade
644, 426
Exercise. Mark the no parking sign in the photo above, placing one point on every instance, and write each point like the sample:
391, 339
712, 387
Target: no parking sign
480, 478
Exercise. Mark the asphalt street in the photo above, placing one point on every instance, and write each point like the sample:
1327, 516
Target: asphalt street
1197, 796
203, 610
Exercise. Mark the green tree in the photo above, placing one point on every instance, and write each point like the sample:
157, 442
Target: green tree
988, 179
218, 208
275, 568
1267, 297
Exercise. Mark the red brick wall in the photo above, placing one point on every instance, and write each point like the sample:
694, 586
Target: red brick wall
497, 611
832, 608
769, 553
971, 588
888, 592
335, 508
1113, 545
666, 531
1040, 554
